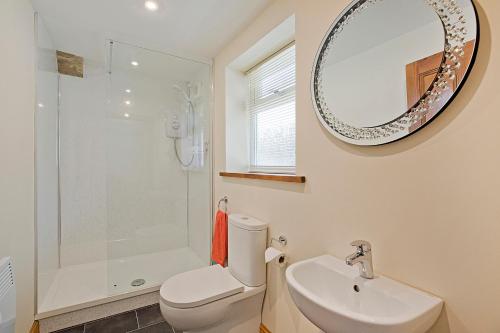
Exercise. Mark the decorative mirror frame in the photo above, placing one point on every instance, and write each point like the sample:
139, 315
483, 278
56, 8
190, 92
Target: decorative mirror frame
414, 119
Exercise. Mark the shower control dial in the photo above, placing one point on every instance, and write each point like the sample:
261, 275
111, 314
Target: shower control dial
175, 127
175, 123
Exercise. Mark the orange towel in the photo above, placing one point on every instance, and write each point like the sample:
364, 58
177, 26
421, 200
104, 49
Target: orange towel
219, 242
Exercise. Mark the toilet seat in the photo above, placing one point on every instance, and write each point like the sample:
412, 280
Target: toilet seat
199, 287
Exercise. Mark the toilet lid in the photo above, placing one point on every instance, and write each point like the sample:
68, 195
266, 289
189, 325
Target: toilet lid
199, 287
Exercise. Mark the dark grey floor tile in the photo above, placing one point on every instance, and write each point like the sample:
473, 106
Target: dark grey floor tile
149, 315
120, 323
75, 329
156, 328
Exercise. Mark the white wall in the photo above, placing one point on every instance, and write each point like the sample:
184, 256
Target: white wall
17, 82
237, 131
428, 203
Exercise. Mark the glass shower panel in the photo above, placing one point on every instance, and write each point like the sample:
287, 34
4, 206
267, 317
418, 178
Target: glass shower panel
47, 192
83, 167
123, 179
157, 167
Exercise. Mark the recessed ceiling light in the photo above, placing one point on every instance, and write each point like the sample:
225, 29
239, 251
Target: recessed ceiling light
134, 63
128, 91
151, 5
40, 105
128, 102
126, 115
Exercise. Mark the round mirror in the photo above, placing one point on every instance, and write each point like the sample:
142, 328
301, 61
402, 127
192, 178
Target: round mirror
388, 67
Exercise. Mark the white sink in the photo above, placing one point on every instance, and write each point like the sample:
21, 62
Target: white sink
335, 298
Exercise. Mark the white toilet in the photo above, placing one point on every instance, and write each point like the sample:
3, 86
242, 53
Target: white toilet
222, 300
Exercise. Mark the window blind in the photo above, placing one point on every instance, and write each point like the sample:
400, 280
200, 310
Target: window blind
271, 106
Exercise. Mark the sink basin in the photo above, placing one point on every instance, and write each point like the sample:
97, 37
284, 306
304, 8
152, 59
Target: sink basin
335, 298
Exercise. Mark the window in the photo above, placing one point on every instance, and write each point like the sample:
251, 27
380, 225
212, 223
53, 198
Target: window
271, 106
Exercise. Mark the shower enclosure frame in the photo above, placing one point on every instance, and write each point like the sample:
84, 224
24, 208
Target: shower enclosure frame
210, 165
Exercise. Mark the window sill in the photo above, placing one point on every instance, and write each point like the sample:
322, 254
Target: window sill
265, 176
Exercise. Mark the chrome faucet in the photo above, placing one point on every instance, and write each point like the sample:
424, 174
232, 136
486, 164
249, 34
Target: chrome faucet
362, 256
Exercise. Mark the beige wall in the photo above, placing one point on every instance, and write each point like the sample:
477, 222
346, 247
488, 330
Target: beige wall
430, 204
16, 149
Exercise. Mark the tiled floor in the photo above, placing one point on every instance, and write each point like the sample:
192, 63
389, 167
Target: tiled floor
144, 320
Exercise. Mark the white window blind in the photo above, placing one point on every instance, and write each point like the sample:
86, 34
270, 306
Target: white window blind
271, 108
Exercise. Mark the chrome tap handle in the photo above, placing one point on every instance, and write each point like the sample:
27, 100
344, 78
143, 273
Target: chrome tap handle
362, 245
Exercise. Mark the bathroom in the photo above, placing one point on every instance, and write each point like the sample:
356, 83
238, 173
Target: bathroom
128, 128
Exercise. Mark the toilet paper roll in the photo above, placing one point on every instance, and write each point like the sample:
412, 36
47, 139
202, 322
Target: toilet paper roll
276, 256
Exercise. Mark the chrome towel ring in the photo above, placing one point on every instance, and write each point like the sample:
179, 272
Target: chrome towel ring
224, 199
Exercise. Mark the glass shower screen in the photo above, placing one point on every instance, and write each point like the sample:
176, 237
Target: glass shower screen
123, 173
157, 167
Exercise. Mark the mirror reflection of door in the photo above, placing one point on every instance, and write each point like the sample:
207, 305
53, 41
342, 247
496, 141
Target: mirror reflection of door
421, 74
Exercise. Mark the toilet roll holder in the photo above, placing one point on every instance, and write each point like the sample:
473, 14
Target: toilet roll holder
281, 239
273, 254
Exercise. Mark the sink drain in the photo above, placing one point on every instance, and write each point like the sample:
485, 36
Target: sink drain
137, 282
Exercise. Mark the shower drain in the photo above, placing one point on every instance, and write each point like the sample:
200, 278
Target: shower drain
137, 282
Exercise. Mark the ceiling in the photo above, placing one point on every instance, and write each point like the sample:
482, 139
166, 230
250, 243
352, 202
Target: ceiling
197, 29
389, 19
384, 21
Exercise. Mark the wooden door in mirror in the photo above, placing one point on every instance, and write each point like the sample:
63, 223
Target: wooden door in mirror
421, 74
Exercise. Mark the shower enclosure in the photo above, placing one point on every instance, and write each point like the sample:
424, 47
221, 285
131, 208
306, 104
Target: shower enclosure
122, 174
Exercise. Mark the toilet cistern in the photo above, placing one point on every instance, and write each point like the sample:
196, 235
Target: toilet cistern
362, 256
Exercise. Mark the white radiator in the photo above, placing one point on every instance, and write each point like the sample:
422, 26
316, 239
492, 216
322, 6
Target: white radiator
7, 296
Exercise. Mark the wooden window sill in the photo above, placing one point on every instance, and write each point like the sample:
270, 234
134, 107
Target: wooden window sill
265, 176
